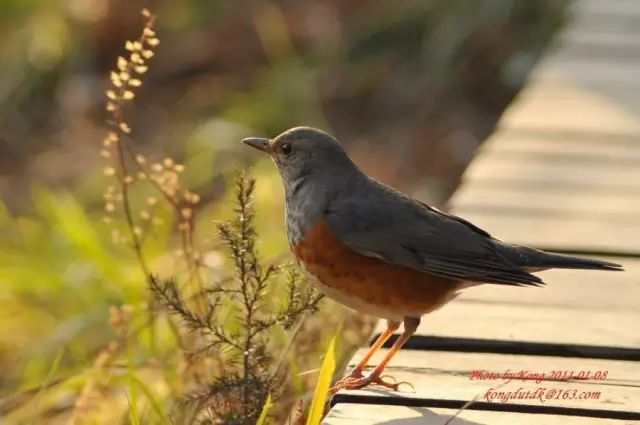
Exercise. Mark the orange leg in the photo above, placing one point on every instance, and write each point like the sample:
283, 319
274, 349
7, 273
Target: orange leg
379, 342
375, 377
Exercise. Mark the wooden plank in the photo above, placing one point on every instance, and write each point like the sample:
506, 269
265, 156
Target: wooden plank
585, 110
559, 93
587, 72
607, 7
558, 233
595, 31
611, 16
557, 145
553, 173
372, 414
597, 290
541, 177
576, 307
615, 8
537, 323
535, 202
453, 376
576, 43
597, 41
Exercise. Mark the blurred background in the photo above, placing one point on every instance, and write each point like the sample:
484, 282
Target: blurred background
411, 87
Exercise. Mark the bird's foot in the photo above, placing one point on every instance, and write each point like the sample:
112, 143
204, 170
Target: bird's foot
352, 376
356, 381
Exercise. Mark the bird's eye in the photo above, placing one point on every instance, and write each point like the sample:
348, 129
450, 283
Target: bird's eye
286, 148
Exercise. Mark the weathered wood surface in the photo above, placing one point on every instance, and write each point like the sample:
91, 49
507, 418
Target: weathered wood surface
449, 376
576, 307
561, 172
557, 233
366, 414
577, 108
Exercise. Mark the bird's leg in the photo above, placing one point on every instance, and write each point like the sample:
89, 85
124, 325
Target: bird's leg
375, 377
356, 372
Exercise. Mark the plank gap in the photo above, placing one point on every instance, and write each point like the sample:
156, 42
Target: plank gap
525, 183
589, 136
527, 304
477, 345
546, 212
485, 406
566, 157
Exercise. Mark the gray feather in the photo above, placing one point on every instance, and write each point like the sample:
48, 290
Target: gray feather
534, 259
385, 224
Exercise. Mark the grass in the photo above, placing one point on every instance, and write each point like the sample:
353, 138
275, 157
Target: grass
140, 316
321, 393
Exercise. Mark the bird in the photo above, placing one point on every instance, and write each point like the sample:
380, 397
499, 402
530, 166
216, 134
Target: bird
383, 253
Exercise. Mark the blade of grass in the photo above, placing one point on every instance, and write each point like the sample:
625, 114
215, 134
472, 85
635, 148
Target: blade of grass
15, 401
319, 400
52, 371
154, 403
133, 414
262, 420
132, 397
286, 350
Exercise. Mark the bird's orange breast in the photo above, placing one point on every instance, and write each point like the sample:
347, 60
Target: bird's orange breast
372, 281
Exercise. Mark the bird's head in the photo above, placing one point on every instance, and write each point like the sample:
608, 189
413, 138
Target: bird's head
303, 152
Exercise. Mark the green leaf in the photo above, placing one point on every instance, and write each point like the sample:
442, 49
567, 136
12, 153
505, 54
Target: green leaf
322, 386
132, 397
55, 366
154, 403
262, 420
133, 414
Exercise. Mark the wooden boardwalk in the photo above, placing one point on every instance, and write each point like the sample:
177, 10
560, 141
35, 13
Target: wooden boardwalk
562, 172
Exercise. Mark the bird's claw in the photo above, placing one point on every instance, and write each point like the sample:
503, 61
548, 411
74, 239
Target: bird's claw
358, 382
409, 384
354, 374
393, 378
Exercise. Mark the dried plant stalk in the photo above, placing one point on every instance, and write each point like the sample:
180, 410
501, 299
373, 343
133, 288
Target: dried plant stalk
130, 168
230, 321
250, 374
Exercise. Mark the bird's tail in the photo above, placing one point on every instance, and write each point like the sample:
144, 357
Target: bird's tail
561, 261
532, 260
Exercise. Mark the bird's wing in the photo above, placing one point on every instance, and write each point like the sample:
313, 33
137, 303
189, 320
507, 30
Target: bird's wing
387, 225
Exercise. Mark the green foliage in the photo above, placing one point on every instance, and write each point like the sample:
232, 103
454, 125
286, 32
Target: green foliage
321, 393
59, 275
238, 318
155, 404
262, 419
85, 275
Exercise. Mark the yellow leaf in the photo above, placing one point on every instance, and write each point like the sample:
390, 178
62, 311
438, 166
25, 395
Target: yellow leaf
155, 404
322, 386
262, 420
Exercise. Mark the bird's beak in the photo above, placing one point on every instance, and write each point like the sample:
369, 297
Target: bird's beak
259, 143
